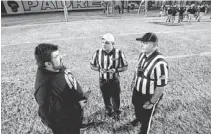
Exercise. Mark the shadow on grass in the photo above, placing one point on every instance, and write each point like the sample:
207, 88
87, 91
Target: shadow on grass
124, 128
100, 121
95, 124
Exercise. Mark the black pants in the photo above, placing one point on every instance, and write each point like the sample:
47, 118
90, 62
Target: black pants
66, 129
143, 115
111, 93
122, 8
69, 123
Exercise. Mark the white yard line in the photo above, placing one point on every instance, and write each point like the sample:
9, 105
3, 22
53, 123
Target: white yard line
196, 30
121, 34
188, 55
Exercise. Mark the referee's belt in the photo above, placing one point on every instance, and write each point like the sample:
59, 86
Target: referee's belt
109, 80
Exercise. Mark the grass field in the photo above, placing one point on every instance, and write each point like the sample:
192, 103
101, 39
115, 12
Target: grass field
185, 108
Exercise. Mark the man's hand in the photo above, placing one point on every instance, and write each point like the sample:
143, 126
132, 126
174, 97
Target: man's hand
103, 71
148, 105
86, 94
83, 103
112, 70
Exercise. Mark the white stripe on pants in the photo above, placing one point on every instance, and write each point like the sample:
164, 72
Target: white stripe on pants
150, 120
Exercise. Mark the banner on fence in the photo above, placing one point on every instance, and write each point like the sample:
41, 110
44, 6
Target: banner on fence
20, 7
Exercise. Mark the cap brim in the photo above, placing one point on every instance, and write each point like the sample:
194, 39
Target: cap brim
139, 39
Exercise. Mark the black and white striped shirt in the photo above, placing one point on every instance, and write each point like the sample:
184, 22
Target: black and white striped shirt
103, 60
151, 72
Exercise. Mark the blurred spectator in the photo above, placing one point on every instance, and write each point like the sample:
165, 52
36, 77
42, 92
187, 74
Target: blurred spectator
202, 12
174, 12
181, 10
191, 12
207, 8
105, 10
122, 6
161, 11
197, 11
169, 12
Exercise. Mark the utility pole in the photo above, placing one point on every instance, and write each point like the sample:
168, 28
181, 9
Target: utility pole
65, 10
139, 8
146, 7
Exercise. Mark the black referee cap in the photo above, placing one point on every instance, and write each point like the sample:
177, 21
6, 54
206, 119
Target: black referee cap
148, 37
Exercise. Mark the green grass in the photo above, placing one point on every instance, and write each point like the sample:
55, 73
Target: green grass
185, 108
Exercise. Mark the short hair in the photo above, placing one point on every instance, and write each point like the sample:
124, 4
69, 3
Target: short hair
43, 53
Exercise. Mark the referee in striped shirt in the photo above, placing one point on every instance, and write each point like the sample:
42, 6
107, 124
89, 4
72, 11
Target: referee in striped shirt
150, 77
109, 61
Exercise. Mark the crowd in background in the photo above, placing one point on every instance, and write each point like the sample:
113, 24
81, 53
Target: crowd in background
189, 11
192, 11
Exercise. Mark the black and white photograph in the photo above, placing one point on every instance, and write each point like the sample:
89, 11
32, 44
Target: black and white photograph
105, 67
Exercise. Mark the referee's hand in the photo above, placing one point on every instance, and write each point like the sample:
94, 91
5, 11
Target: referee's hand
111, 70
147, 105
83, 103
103, 71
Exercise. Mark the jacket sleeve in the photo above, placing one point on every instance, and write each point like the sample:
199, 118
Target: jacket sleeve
42, 97
40, 94
73, 84
80, 93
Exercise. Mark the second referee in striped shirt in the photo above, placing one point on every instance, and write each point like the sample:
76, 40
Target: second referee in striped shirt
150, 78
109, 61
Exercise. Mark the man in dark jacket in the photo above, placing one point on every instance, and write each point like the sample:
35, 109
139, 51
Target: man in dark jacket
58, 94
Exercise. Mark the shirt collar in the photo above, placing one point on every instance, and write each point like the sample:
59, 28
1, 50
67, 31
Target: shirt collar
50, 72
150, 56
110, 53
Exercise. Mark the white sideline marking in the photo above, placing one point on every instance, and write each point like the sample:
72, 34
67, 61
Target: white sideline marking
48, 23
121, 34
72, 22
197, 30
188, 55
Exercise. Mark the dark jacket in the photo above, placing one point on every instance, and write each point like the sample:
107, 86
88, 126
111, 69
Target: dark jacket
181, 10
174, 11
169, 11
191, 10
202, 9
57, 101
